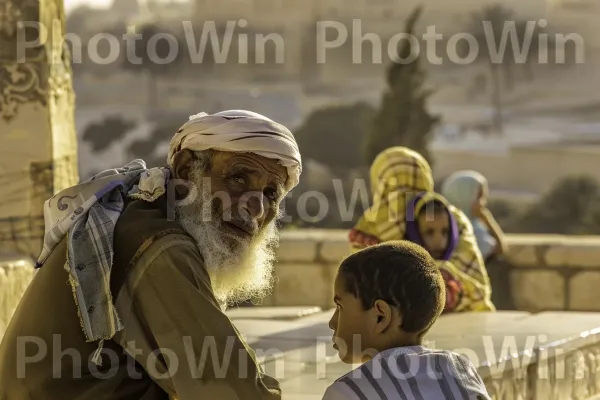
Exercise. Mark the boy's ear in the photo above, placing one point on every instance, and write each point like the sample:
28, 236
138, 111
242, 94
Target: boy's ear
384, 314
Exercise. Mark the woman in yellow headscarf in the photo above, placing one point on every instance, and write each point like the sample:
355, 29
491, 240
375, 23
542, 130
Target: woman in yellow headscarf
397, 175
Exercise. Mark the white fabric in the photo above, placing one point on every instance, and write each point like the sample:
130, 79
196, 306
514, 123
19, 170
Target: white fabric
240, 131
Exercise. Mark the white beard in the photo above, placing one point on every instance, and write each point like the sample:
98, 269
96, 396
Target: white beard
240, 270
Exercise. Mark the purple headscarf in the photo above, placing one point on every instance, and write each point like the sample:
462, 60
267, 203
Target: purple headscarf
415, 206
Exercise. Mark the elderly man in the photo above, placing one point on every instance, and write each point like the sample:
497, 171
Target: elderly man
138, 264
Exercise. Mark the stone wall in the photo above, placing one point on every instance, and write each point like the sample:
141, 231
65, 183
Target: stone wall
15, 276
545, 272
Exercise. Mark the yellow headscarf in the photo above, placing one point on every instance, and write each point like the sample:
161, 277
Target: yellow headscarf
397, 175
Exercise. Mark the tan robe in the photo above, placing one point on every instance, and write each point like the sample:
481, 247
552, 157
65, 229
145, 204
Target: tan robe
180, 344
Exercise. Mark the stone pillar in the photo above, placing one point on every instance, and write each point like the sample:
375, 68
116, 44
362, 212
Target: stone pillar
38, 146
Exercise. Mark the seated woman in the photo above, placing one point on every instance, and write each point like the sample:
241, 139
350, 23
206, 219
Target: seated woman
397, 175
468, 191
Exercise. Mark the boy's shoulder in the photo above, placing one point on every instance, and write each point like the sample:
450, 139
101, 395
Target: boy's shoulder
387, 357
394, 369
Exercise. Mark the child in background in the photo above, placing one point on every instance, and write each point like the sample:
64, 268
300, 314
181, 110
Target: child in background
430, 224
387, 298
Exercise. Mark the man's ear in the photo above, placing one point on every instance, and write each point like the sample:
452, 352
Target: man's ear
182, 164
384, 314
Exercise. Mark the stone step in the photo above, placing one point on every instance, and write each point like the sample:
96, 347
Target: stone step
271, 313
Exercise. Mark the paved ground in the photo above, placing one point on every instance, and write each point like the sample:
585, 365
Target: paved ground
296, 342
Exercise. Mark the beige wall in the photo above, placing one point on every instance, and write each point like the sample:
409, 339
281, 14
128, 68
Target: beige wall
547, 272
15, 276
550, 272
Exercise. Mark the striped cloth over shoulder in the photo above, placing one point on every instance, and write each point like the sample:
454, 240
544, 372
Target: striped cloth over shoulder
411, 373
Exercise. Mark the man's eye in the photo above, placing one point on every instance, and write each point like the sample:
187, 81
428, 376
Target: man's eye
239, 179
271, 194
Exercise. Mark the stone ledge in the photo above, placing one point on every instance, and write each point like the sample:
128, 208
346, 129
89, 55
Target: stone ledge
302, 245
554, 251
15, 276
272, 313
547, 356
546, 272
540, 251
335, 249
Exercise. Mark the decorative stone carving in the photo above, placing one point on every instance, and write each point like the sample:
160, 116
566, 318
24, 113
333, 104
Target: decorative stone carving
575, 375
512, 385
593, 377
36, 116
45, 70
9, 16
20, 80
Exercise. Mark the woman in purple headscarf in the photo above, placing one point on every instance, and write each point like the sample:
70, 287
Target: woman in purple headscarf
430, 224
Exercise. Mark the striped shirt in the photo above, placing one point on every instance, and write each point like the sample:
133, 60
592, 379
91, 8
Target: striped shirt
411, 373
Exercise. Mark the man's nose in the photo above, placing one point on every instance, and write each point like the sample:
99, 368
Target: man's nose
254, 205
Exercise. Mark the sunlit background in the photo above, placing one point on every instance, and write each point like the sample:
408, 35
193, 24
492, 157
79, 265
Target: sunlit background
532, 129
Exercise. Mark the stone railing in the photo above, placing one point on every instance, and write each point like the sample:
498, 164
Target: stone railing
545, 272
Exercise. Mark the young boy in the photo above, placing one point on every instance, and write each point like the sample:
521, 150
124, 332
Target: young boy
387, 298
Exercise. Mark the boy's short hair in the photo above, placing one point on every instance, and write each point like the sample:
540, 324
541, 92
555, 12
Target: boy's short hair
403, 274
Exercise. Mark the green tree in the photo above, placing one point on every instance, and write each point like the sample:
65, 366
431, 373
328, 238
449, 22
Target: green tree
571, 207
403, 118
333, 135
506, 213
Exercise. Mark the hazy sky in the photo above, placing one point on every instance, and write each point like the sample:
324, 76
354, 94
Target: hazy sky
71, 4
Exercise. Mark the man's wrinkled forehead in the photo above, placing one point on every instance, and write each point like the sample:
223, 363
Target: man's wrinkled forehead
251, 164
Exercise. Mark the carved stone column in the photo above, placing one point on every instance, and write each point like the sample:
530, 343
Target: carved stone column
38, 146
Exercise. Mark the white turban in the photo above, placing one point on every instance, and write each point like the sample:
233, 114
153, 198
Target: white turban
242, 132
